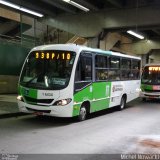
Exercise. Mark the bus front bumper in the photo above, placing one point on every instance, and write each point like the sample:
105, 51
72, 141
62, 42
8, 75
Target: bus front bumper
151, 95
56, 111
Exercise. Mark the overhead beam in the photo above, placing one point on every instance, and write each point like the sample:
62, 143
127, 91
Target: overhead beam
87, 4
61, 5
7, 26
141, 47
116, 3
9, 14
91, 24
34, 7
156, 31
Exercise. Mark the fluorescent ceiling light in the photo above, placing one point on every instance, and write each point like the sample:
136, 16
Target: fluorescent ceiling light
66, 1
9, 4
77, 5
21, 8
135, 34
31, 12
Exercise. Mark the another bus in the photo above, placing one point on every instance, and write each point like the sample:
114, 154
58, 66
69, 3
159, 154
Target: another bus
70, 80
150, 82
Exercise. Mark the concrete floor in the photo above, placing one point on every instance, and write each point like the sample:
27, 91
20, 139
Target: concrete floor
8, 104
133, 130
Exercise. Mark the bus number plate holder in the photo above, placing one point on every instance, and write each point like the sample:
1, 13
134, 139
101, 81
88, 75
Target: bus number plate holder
38, 113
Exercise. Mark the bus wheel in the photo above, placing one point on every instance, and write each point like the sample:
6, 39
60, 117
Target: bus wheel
82, 113
144, 99
123, 103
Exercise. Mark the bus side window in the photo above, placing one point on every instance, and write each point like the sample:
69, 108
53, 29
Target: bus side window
114, 70
135, 69
84, 69
126, 69
101, 67
83, 74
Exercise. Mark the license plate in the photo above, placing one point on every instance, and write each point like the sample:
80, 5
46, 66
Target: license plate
156, 87
152, 97
38, 113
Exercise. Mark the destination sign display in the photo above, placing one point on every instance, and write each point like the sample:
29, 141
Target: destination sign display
154, 68
53, 55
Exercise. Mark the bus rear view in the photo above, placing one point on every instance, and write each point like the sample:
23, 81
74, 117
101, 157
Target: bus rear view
150, 82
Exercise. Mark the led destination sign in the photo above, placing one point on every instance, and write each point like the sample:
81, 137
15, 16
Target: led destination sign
53, 55
154, 68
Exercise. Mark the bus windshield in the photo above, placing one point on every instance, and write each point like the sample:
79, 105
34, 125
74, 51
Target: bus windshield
47, 69
151, 75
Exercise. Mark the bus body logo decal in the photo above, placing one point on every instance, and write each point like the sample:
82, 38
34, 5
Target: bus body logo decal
117, 88
26, 92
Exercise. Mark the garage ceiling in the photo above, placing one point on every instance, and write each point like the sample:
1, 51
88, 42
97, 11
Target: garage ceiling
52, 8
55, 7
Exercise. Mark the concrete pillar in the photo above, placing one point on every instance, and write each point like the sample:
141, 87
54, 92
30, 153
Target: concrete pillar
92, 42
109, 41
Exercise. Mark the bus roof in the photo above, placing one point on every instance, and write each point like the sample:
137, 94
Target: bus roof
79, 48
152, 64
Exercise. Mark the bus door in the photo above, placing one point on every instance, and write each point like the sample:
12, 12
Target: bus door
83, 79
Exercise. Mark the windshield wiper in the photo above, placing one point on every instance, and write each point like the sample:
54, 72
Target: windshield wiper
27, 83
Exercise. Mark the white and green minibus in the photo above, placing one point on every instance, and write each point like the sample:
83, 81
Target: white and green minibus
67, 80
150, 81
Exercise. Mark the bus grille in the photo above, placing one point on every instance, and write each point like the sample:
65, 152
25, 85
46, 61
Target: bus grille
152, 95
35, 110
147, 90
33, 100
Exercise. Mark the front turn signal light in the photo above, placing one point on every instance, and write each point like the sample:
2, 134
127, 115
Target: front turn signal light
20, 98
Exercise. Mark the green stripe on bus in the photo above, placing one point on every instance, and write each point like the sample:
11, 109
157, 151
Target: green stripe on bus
98, 95
28, 92
101, 94
81, 96
148, 87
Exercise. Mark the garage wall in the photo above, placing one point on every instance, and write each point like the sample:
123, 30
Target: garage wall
155, 57
12, 57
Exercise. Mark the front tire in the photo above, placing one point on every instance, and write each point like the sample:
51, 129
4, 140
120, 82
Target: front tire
82, 113
144, 99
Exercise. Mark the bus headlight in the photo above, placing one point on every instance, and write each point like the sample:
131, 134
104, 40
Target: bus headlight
20, 98
63, 102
